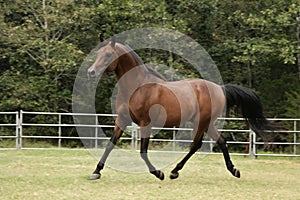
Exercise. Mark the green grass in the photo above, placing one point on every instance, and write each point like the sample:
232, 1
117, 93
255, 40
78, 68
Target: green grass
63, 174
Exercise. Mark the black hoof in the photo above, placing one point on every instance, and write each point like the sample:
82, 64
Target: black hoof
159, 174
95, 176
236, 173
174, 175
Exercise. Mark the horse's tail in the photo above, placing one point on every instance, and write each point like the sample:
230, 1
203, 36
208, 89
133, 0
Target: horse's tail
250, 105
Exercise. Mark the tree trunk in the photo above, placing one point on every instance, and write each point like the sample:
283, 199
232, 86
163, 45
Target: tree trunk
298, 38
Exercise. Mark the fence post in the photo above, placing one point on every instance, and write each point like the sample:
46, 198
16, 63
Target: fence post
96, 131
134, 136
59, 130
20, 130
253, 141
295, 137
17, 130
174, 138
211, 145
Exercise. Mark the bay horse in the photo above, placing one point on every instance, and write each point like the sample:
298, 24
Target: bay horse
147, 99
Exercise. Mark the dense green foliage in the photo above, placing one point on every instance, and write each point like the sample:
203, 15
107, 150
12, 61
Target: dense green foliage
254, 43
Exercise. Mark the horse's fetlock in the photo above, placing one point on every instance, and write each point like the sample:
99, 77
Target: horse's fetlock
230, 167
179, 166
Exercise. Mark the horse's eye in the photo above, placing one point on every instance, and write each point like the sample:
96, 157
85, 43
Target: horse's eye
108, 55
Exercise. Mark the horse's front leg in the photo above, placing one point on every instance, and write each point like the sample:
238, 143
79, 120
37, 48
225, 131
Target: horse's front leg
144, 154
113, 140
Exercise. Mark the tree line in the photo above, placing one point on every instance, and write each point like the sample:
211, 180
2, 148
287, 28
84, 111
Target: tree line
43, 43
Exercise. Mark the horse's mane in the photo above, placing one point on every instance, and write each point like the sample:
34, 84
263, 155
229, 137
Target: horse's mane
149, 69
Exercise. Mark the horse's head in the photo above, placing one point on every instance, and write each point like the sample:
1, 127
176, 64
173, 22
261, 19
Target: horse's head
106, 60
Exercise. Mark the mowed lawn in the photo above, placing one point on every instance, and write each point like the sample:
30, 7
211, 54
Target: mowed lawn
63, 174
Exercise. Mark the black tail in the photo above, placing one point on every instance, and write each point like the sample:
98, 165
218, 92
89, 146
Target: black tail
250, 105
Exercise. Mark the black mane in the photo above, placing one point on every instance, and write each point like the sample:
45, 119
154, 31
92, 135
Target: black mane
149, 69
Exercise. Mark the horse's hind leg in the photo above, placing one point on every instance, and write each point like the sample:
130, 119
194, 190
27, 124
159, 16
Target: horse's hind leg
145, 136
196, 144
221, 141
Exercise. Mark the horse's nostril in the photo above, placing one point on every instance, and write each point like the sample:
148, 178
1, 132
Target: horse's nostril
92, 73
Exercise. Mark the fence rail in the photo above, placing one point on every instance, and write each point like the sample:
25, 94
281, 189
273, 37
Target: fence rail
14, 124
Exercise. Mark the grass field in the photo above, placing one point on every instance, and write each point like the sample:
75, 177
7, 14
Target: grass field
63, 174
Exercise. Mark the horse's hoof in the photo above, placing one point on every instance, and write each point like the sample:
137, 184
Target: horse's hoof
174, 175
95, 176
159, 174
236, 173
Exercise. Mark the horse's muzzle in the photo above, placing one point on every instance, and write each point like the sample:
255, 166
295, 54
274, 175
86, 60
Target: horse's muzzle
91, 74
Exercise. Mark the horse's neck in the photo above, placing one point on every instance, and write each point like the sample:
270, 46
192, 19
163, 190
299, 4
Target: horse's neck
130, 66
132, 78
131, 74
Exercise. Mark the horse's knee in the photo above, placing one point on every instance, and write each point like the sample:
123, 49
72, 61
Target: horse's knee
221, 141
122, 123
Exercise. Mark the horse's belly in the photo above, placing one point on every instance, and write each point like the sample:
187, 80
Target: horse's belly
169, 105
177, 113
173, 103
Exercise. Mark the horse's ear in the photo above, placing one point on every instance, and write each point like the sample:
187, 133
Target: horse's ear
113, 41
101, 37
